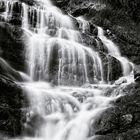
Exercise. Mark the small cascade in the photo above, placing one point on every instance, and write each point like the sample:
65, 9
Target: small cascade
12, 7
113, 50
63, 113
72, 59
83, 24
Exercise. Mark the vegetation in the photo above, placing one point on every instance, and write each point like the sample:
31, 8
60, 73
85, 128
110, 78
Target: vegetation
132, 7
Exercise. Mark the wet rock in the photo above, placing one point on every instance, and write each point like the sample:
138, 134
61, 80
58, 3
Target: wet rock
115, 69
8, 71
137, 73
29, 2
121, 81
11, 45
126, 119
112, 68
93, 29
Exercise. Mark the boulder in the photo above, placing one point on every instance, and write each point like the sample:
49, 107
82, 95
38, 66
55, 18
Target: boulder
120, 81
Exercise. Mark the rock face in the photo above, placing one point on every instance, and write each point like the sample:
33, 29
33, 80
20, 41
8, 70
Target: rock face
11, 102
12, 99
121, 121
11, 45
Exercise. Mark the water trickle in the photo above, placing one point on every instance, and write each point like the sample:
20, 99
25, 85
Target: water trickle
83, 24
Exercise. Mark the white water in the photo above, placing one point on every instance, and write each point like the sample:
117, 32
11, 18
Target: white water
54, 40
8, 8
63, 112
113, 50
68, 113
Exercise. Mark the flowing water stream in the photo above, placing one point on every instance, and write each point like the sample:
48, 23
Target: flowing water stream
64, 100
113, 50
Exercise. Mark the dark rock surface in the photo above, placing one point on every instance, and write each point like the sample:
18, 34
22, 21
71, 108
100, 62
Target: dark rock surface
112, 68
122, 120
12, 98
12, 101
11, 45
8, 71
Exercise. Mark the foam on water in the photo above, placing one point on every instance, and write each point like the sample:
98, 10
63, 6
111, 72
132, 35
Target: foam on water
65, 116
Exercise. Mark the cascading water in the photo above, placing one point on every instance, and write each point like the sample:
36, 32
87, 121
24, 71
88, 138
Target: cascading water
55, 45
55, 54
113, 50
9, 7
84, 25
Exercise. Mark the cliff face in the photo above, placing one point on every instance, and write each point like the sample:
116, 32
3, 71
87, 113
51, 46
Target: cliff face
11, 45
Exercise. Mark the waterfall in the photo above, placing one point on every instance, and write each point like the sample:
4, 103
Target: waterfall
54, 50
65, 89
